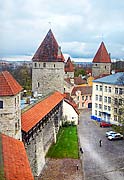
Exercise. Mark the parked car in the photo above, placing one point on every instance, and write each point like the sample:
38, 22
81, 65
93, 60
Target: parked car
109, 133
116, 136
105, 124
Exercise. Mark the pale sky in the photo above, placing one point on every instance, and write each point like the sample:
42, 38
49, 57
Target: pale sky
79, 26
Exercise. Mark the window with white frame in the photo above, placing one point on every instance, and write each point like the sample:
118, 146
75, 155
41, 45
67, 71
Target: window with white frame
105, 98
115, 110
109, 100
99, 113
105, 88
82, 97
100, 98
109, 89
105, 107
96, 87
96, 97
100, 88
96, 105
96, 112
115, 118
109, 108
116, 90
100, 106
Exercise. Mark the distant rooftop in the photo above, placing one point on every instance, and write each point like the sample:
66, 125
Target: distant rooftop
117, 79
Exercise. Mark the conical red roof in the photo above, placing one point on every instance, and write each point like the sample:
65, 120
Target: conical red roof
102, 55
8, 85
49, 51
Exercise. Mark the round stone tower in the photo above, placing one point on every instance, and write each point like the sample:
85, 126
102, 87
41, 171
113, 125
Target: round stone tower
10, 109
48, 67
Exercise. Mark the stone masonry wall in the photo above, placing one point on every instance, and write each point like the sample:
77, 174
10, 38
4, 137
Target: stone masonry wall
38, 140
47, 79
101, 68
10, 116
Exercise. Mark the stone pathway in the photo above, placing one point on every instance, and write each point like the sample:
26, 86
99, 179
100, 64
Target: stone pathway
62, 169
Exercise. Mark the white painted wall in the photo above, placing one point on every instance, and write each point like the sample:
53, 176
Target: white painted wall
70, 113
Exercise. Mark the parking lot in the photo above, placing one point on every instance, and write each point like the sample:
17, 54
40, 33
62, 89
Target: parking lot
100, 163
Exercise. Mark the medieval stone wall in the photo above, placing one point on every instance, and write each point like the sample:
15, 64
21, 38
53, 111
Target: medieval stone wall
101, 68
10, 116
39, 139
47, 77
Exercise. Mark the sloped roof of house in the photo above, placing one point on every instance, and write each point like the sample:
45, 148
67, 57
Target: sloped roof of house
35, 114
78, 80
83, 89
14, 163
8, 85
49, 51
116, 79
102, 55
69, 67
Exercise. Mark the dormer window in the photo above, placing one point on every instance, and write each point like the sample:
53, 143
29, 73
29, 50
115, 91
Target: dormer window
1, 104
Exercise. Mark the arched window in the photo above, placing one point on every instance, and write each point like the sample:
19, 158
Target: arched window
35, 65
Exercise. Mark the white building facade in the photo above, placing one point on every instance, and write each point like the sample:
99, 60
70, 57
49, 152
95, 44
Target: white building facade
108, 98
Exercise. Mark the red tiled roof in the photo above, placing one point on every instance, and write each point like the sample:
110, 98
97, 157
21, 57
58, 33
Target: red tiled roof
84, 90
15, 162
32, 116
8, 85
49, 51
78, 80
69, 67
102, 55
100, 76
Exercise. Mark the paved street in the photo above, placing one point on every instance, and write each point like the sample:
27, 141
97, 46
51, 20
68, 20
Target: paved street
100, 163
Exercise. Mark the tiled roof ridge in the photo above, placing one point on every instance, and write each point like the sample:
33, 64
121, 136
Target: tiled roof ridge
4, 75
33, 115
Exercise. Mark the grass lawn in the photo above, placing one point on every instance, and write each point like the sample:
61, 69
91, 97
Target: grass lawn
66, 145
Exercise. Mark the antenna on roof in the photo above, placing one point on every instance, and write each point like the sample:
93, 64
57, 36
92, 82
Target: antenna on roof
49, 24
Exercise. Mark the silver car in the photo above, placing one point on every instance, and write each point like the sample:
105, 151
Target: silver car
109, 133
116, 136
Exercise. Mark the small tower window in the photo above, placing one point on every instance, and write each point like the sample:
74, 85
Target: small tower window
1, 104
44, 64
35, 64
38, 84
105, 67
54, 65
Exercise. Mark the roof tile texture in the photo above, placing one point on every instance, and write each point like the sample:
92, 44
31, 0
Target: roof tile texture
16, 164
84, 90
8, 85
69, 67
102, 55
49, 51
35, 114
